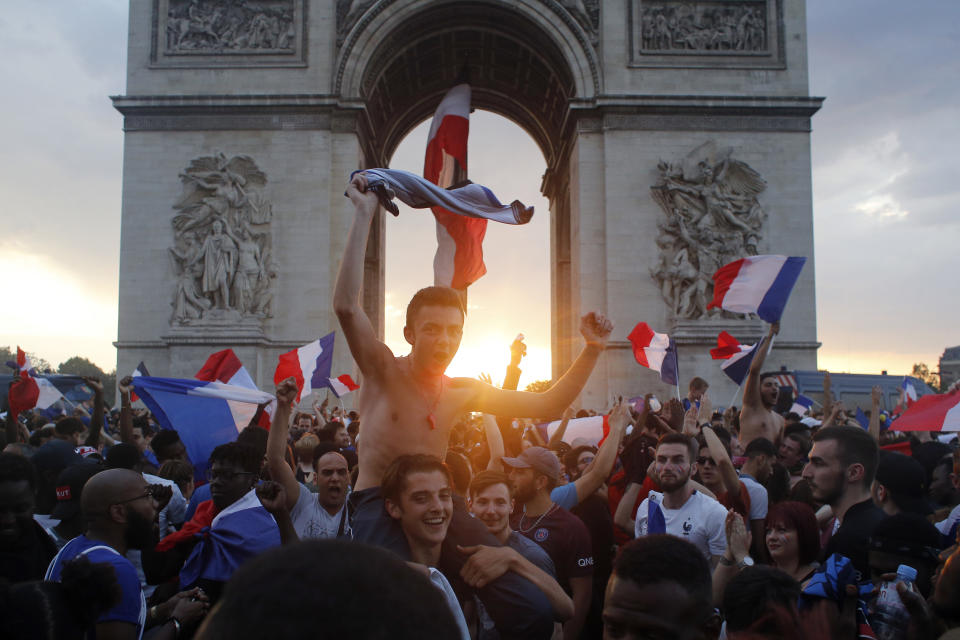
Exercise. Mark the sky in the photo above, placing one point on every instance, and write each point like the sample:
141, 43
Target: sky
885, 167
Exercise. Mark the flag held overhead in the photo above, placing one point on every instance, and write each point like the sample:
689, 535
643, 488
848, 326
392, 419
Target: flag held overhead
655, 351
756, 284
309, 365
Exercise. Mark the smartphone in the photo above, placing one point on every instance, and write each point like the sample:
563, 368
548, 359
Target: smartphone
655, 404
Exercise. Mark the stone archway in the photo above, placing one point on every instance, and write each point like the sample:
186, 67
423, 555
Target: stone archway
521, 65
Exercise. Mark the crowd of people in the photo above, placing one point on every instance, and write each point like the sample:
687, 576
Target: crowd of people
440, 509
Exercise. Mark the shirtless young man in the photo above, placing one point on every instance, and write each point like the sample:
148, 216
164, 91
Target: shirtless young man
757, 417
408, 405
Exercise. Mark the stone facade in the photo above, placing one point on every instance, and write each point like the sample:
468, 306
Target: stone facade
949, 367
620, 95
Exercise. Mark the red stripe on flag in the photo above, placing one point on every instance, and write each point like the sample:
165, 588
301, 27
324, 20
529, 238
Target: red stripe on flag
929, 413
451, 137
727, 346
722, 280
641, 337
220, 366
289, 366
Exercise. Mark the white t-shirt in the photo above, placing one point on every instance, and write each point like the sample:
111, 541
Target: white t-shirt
313, 521
699, 521
758, 497
945, 525
440, 582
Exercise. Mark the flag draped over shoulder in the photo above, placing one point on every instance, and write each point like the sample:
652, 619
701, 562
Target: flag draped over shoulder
655, 351
205, 414
308, 365
756, 284
459, 258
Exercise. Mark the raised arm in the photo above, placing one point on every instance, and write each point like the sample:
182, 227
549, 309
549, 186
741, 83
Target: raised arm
126, 412
751, 389
550, 403
731, 482
874, 428
557, 436
827, 394
368, 352
494, 442
280, 471
96, 420
599, 470
622, 517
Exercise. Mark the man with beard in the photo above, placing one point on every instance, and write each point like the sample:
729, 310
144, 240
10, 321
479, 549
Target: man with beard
120, 509
534, 474
681, 510
760, 392
842, 466
323, 515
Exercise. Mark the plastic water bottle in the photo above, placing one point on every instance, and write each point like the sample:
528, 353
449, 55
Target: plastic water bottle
890, 618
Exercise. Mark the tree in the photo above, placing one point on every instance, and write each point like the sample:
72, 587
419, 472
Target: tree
79, 366
922, 371
8, 354
539, 385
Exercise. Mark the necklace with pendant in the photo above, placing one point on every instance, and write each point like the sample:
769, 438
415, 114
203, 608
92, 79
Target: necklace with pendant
543, 515
431, 407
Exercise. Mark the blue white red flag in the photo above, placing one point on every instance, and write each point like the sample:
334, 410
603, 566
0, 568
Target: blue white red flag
738, 357
206, 414
801, 405
224, 366
862, 419
309, 365
459, 258
656, 521
342, 385
756, 284
24, 391
241, 531
655, 351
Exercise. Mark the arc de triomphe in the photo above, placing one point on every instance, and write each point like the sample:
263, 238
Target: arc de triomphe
676, 135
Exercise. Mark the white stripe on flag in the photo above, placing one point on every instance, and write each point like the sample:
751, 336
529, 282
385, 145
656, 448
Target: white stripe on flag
752, 283
307, 356
951, 420
443, 261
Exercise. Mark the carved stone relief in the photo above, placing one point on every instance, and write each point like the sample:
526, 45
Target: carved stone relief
222, 242
703, 27
238, 26
712, 217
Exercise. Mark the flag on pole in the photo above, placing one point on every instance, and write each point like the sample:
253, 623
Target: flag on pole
24, 391
204, 413
342, 385
141, 370
459, 258
756, 284
801, 405
738, 357
655, 351
932, 412
308, 365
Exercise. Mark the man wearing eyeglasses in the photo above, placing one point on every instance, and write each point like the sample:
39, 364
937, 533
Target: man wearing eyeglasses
120, 508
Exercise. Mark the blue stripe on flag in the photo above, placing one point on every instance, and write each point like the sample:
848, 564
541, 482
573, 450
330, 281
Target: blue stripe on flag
774, 301
669, 369
656, 522
863, 419
738, 365
321, 375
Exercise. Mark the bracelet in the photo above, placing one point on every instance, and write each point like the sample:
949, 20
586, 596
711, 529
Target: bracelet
176, 626
727, 562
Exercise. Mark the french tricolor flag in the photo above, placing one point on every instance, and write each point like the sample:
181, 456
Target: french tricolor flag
204, 413
738, 357
932, 412
459, 258
801, 405
141, 370
224, 366
756, 284
309, 366
24, 392
655, 351
342, 385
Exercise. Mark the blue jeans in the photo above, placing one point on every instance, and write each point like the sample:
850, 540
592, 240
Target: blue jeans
517, 607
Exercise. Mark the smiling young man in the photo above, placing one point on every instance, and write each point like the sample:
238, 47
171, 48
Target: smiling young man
418, 494
409, 407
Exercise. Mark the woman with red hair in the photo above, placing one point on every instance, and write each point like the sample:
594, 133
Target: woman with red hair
793, 539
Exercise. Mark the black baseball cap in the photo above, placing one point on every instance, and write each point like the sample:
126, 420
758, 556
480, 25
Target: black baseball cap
905, 481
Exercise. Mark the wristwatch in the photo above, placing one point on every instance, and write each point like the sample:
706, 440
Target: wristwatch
746, 562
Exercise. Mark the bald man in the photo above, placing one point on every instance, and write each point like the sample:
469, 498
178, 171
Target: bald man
120, 509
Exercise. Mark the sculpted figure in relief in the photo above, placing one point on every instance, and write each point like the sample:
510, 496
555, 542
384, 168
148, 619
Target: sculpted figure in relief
712, 217
221, 254
703, 26
237, 26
